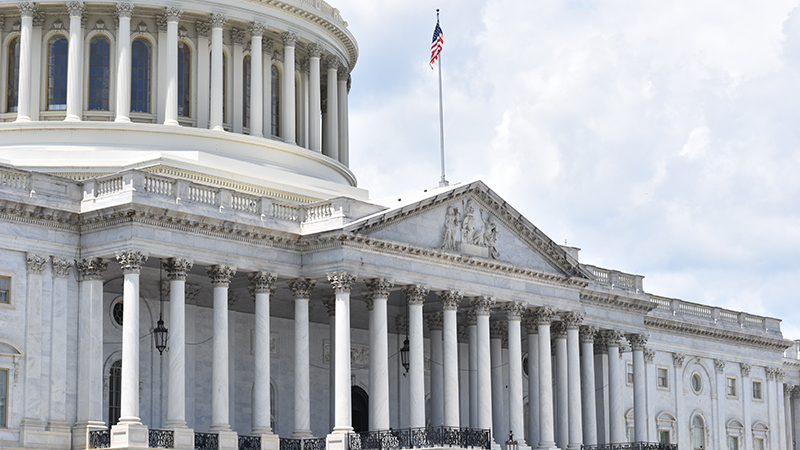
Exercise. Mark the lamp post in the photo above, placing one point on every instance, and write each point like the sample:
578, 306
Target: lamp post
404, 355
511, 443
160, 333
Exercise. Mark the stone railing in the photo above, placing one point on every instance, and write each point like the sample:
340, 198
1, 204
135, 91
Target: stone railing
160, 439
616, 279
632, 446
14, 179
431, 437
302, 444
681, 308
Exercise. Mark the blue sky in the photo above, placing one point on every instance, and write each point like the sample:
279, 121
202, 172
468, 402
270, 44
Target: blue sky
660, 137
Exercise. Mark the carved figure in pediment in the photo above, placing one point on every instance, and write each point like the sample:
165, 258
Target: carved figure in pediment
468, 224
450, 228
477, 236
490, 234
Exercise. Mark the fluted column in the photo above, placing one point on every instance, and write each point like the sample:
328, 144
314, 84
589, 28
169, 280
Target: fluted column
543, 316
176, 394
301, 288
573, 321
26, 11
332, 127
562, 391
516, 409
173, 16
616, 418
437, 389
315, 107
415, 296
589, 419
638, 342
203, 29
123, 112
330, 305
483, 309
497, 331
378, 294
62, 269
344, 132
33, 412
342, 283
75, 62
217, 22
221, 276
472, 324
256, 79
236, 69
131, 262
264, 287
450, 301
533, 381
288, 131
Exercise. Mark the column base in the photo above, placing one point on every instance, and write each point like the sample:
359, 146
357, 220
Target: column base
228, 440
172, 123
547, 446
58, 426
269, 441
337, 440
129, 435
183, 437
301, 434
80, 433
22, 118
574, 447
72, 118
122, 119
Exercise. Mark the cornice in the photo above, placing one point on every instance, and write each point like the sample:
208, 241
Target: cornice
615, 301
775, 344
40, 216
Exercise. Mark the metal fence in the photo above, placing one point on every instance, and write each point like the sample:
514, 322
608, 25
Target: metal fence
631, 446
420, 438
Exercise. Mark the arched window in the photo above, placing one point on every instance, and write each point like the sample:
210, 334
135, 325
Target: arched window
698, 433
99, 73
140, 75
12, 78
246, 92
57, 50
184, 79
276, 99
114, 392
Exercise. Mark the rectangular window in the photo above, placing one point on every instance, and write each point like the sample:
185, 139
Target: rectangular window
733, 442
758, 444
662, 378
757, 390
663, 436
629, 371
631, 435
5, 289
731, 386
3, 398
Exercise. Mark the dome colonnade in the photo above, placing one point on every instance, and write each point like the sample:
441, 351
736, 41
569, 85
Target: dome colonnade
131, 74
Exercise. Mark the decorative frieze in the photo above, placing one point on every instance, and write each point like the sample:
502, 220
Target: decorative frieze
61, 267
359, 356
131, 261
263, 282
177, 268
461, 233
572, 319
514, 310
415, 293
482, 305
35, 263
341, 282
449, 299
220, 275
679, 358
588, 333
302, 287
91, 268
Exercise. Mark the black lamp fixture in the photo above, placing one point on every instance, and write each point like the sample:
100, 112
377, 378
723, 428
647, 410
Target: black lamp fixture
160, 333
404, 350
511, 443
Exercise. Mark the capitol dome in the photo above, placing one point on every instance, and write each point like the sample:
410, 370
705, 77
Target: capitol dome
171, 89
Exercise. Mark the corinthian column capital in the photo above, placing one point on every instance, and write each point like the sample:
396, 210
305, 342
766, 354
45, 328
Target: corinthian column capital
514, 310
572, 319
482, 305
220, 275
378, 287
26, 9
173, 13
342, 282
131, 260
262, 282
415, 293
92, 268
543, 315
449, 299
588, 334
124, 10
177, 268
217, 20
289, 39
314, 50
75, 8
61, 267
35, 263
637, 341
302, 287
256, 28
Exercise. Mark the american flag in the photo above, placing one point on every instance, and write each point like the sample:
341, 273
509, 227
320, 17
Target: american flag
438, 42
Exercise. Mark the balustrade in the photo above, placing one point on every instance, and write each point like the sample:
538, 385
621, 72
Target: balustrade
631, 446
13, 179
429, 437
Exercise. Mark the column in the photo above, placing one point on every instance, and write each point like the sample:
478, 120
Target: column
562, 392
177, 268
787, 414
573, 321
779, 397
124, 12
683, 438
264, 287
650, 383
221, 276
90, 350
437, 389
315, 108
616, 418
301, 288
203, 61
450, 301
638, 342
33, 411
62, 269
463, 375
344, 139
237, 69
378, 292
497, 331
483, 309
75, 62
533, 381
589, 420
472, 324
601, 383
302, 103
26, 11
516, 409
161, 73
217, 22
266, 48
342, 282
256, 79
771, 401
415, 296
173, 16
288, 98
543, 316
332, 126
330, 304
36, 65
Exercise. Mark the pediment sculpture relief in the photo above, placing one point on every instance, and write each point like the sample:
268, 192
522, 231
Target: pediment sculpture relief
461, 234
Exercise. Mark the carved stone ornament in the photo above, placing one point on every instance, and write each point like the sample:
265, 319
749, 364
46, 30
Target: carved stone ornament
482, 305
131, 260
543, 315
558, 330
342, 73
220, 274
233, 298
451, 222
177, 268
15, 26
314, 50
378, 287
75, 8
600, 346
788, 389
99, 25
587, 334
531, 325
266, 45
435, 321
217, 20
367, 300
330, 305
415, 294
191, 291
303, 65
780, 374
61, 267
183, 32
38, 19
91, 268
237, 35
470, 317
202, 28
745, 369
463, 334
719, 365
2, 21
263, 282
637, 341
342, 282
679, 358
649, 355
173, 13
141, 28
572, 319
450, 300
771, 372
301, 287
612, 337
58, 25
331, 62
35, 263
161, 23
124, 10
256, 28
289, 39
498, 330
514, 310
26, 9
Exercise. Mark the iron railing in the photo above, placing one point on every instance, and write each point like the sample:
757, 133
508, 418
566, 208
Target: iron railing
631, 446
302, 444
206, 441
100, 438
160, 439
249, 442
420, 438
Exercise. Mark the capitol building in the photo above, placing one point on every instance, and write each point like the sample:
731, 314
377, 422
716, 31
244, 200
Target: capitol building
187, 262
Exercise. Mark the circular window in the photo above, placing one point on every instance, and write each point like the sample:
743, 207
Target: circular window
525, 364
116, 312
697, 383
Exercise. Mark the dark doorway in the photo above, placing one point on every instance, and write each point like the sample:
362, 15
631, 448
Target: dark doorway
359, 401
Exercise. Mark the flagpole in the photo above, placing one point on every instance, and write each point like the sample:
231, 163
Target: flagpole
443, 182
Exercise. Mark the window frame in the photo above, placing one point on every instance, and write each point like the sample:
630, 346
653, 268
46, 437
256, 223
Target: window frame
629, 373
247, 86
114, 405
4, 394
149, 97
275, 100
50, 104
8, 75
729, 386
185, 95
760, 383
699, 377
89, 66
8, 291
666, 386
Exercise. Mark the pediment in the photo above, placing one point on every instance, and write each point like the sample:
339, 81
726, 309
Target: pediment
473, 221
